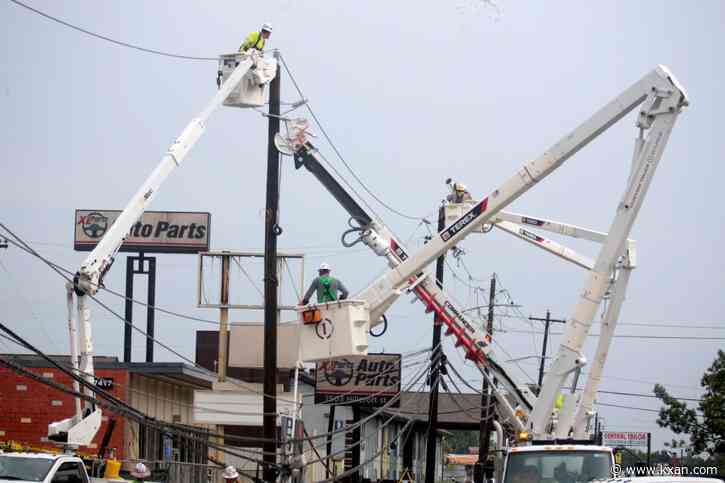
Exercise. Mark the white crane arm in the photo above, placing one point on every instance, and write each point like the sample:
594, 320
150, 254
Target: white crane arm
657, 81
664, 101
551, 226
546, 244
100, 259
80, 429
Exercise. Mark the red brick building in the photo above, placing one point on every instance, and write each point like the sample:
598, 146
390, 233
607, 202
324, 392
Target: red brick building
160, 390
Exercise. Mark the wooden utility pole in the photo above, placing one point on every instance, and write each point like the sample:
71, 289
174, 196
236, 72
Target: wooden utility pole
224, 321
547, 321
486, 399
271, 232
436, 358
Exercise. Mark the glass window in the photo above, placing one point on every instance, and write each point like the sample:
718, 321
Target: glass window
29, 469
70, 472
558, 466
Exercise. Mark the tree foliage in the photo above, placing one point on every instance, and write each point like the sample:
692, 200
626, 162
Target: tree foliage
706, 423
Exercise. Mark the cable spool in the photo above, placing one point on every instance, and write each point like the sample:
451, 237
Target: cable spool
385, 327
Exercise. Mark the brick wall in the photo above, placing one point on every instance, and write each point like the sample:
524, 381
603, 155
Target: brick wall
27, 407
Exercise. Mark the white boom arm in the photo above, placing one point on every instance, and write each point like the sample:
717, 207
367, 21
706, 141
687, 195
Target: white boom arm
663, 99
556, 227
546, 244
80, 429
100, 259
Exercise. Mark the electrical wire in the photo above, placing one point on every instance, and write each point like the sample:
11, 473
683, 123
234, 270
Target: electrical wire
108, 39
137, 329
150, 395
113, 400
627, 407
337, 151
92, 388
631, 336
131, 414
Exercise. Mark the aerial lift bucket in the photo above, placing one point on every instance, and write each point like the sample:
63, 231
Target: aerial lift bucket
250, 91
333, 329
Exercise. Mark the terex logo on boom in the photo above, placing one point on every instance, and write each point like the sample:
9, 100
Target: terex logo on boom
465, 220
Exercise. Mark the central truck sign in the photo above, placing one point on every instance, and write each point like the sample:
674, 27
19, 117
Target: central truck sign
155, 232
370, 380
624, 438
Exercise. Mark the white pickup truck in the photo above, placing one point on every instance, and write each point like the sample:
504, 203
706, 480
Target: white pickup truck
45, 468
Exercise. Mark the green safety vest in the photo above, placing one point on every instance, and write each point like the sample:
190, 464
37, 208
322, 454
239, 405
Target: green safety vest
326, 294
253, 41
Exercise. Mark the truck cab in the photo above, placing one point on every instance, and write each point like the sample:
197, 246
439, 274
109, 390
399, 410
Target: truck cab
42, 467
557, 464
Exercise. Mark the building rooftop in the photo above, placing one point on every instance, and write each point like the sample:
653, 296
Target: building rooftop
173, 372
455, 411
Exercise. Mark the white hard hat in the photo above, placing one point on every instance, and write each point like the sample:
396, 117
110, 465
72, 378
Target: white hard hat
230, 473
324, 266
267, 27
459, 187
140, 471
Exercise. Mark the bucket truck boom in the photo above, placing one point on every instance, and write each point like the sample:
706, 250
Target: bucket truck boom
234, 71
661, 98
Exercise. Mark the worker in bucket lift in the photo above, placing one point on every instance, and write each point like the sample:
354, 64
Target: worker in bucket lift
459, 194
326, 287
256, 40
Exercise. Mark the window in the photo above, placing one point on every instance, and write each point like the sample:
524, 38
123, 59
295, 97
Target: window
557, 466
20, 468
70, 472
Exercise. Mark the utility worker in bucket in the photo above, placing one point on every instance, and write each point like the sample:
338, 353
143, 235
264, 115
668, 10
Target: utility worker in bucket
326, 287
256, 40
459, 194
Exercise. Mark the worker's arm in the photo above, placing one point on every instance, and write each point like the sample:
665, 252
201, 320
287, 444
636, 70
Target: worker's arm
343, 290
313, 286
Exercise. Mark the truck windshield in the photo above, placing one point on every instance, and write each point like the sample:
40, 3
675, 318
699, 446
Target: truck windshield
26, 469
557, 466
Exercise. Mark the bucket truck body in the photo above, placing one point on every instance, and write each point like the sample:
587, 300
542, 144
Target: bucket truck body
80, 429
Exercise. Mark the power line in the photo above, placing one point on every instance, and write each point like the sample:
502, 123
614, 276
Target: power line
627, 407
627, 336
130, 413
337, 151
108, 39
58, 269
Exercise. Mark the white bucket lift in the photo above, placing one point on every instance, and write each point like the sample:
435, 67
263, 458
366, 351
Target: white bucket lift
454, 212
334, 329
250, 91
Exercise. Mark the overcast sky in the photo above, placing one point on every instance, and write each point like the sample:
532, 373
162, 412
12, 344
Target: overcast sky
411, 93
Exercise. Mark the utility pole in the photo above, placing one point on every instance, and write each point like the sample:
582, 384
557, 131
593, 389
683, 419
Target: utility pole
548, 320
271, 232
330, 429
486, 401
223, 321
436, 357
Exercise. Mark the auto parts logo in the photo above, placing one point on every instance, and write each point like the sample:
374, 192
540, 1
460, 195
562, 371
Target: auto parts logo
94, 224
338, 372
